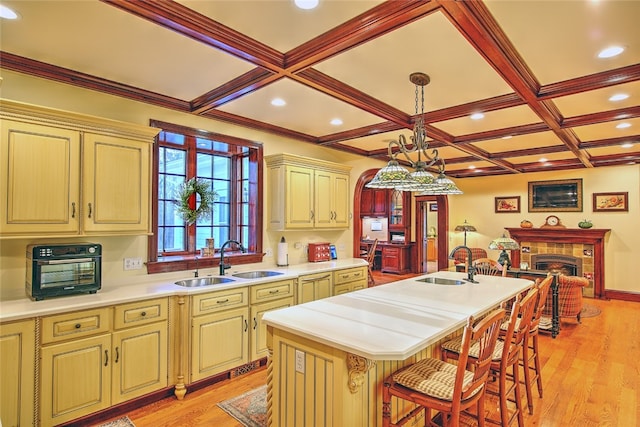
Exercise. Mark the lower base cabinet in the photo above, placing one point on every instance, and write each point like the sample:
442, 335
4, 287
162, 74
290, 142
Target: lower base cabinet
395, 259
312, 287
93, 359
349, 280
17, 359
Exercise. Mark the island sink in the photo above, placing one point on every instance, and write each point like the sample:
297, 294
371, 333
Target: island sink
256, 274
441, 281
203, 281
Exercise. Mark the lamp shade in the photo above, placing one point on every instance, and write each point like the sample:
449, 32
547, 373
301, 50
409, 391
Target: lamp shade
391, 176
465, 227
504, 243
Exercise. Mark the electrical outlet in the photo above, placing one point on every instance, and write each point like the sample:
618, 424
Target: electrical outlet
300, 361
132, 263
268, 252
297, 245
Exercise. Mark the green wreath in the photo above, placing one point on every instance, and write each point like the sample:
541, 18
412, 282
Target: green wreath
186, 203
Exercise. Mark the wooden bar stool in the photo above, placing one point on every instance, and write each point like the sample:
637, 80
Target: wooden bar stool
530, 350
505, 357
434, 384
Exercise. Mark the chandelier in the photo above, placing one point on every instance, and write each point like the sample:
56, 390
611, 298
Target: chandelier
420, 180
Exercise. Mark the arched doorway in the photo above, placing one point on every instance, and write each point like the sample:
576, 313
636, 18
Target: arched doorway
419, 229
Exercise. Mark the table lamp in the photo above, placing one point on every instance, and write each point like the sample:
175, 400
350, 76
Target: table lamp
465, 227
504, 243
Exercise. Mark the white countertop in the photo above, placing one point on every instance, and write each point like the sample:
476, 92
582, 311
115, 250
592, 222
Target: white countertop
153, 287
396, 320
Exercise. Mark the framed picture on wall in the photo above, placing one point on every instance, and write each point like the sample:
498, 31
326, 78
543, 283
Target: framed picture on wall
507, 204
555, 196
611, 202
433, 207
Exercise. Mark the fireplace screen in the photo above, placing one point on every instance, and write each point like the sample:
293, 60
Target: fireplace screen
562, 264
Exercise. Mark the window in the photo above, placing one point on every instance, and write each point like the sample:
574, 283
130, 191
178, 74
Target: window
232, 168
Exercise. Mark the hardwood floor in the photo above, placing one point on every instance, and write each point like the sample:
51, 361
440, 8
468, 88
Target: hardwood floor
591, 377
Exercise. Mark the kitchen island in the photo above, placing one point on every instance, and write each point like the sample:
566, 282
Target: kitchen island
328, 358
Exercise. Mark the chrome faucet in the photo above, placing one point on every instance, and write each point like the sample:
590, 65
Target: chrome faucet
224, 266
470, 268
195, 273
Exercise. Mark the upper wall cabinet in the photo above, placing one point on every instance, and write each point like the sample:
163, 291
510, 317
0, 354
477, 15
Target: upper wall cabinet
307, 193
69, 174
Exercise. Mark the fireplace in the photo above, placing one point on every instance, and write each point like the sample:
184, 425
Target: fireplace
576, 251
554, 263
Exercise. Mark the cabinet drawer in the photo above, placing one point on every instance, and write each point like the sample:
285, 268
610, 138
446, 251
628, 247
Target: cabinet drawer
75, 325
272, 290
140, 313
349, 275
222, 300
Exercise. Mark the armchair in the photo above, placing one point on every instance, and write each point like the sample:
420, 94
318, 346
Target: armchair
569, 297
460, 256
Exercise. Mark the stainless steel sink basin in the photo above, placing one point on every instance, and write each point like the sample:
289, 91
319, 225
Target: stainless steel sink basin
440, 281
256, 274
203, 281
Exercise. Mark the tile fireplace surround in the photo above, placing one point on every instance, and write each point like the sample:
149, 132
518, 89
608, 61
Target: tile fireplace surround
587, 245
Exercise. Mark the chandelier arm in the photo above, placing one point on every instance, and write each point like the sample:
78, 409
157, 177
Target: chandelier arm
402, 146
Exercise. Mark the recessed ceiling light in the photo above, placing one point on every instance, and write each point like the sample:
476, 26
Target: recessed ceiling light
278, 102
477, 116
306, 4
471, 167
611, 52
627, 145
336, 122
623, 125
546, 164
618, 97
507, 137
542, 159
7, 13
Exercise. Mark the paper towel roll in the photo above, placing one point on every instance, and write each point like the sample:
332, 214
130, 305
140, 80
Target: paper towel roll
283, 254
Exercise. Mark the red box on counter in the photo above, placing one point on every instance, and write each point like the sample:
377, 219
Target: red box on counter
319, 252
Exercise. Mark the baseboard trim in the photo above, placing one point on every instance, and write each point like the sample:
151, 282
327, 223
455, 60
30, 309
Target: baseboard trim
622, 295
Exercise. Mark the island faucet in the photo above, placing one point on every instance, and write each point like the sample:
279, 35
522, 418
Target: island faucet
195, 273
470, 268
224, 266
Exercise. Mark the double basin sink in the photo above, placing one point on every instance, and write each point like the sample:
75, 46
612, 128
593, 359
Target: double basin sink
207, 281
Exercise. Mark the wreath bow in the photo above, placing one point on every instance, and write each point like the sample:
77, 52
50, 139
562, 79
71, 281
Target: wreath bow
187, 200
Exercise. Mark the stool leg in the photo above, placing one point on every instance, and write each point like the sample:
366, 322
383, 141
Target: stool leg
518, 396
527, 375
536, 363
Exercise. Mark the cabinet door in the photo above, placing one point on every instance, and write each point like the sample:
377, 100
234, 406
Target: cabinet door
311, 288
42, 179
366, 202
259, 329
341, 200
219, 342
299, 198
17, 359
323, 199
116, 189
380, 202
75, 379
331, 200
390, 259
139, 361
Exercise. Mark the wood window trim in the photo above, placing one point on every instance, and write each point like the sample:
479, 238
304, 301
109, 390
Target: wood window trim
191, 262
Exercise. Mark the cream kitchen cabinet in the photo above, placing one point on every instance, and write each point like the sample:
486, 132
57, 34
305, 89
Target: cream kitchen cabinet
264, 298
72, 175
219, 332
349, 280
316, 286
17, 359
307, 193
93, 359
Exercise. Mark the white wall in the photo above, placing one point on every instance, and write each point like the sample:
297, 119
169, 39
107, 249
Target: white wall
476, 205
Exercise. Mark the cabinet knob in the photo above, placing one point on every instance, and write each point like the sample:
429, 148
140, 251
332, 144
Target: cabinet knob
144, 313
78, 325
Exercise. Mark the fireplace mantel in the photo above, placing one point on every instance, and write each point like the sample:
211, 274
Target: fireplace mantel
593, 236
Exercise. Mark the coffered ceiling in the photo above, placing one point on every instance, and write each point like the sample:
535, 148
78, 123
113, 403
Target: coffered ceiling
530, 66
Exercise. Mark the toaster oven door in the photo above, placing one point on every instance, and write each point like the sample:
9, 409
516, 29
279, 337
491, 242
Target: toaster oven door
62, 273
